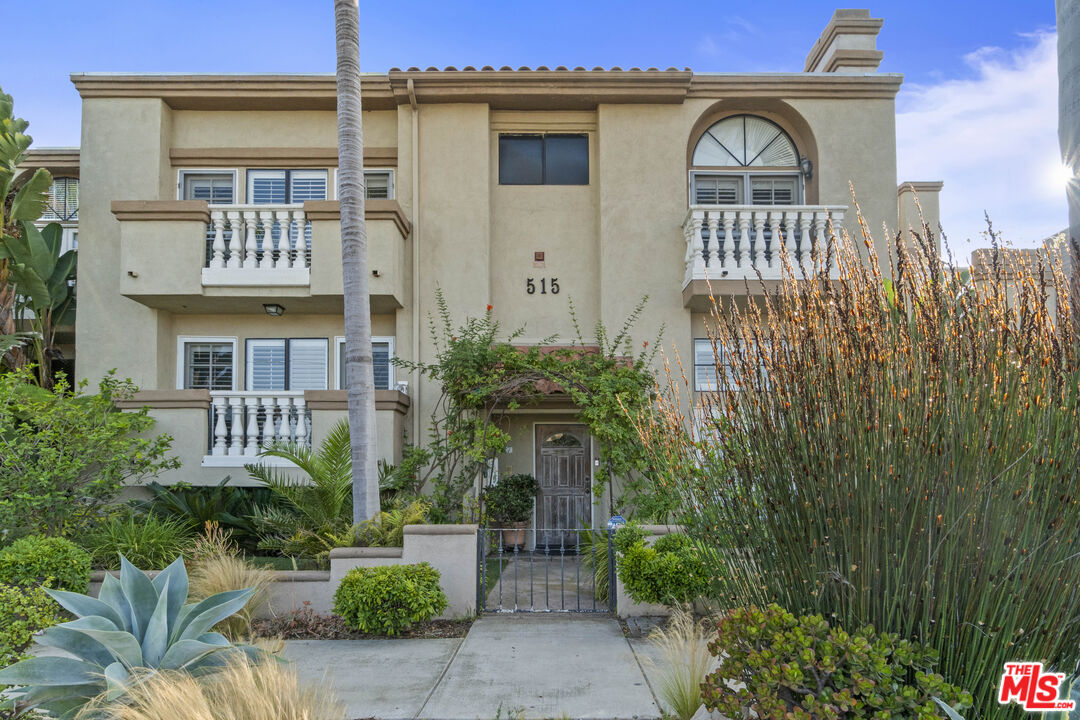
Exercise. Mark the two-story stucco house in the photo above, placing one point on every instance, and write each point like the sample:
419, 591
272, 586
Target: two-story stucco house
209, 241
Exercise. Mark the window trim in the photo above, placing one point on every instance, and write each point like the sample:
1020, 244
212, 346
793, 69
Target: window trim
800, 182
287, 340
248, 178
339, 340
543, 158
391, 189
181, 355
183, 172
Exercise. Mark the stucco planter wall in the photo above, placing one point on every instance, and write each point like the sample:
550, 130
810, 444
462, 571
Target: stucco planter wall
450, 549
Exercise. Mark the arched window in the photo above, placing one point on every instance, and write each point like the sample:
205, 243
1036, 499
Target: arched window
746, 160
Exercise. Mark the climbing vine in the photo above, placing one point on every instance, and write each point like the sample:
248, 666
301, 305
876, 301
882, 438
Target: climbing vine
483, 377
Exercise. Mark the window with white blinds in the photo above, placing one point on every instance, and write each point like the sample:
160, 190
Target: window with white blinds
287, 364
705, 379
279, 187
737, 188
382, 352
63, 200
214, 188
378, 185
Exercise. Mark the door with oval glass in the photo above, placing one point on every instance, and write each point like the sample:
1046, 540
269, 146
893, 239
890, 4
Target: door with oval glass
563, 505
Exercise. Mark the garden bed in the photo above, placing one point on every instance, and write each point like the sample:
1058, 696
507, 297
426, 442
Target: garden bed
305, 624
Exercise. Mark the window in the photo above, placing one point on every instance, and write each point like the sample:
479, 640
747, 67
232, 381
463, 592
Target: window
733, 189
206, 363
378, 184
280, 187
760, 161
705, 366
63, 200
382, 351
543, 160
287, 364
215, 188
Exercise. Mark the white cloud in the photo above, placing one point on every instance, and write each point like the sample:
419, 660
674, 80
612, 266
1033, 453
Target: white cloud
992, 138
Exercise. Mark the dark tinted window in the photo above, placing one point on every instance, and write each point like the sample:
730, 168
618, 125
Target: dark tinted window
566, 160
543, 160
521, 159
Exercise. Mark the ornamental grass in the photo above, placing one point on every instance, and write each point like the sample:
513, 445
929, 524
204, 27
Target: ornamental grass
893, 447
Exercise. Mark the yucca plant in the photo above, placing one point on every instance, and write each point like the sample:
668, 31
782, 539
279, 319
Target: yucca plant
899, 450
134, 627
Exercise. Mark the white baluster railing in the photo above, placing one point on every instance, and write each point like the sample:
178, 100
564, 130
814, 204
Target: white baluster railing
255, 244
740, 241
243, 421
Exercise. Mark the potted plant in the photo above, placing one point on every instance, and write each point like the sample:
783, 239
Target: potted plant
508, 505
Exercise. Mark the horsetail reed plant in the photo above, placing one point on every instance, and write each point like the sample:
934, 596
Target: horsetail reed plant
893, 448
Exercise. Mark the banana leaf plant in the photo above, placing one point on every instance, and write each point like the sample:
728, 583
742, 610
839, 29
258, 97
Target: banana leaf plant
135, 627
36, 280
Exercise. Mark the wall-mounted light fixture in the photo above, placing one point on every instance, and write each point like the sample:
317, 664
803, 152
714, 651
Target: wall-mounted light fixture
807, 167
274, 310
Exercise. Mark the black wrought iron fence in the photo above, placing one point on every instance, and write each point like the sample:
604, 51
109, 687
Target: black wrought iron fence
526, 569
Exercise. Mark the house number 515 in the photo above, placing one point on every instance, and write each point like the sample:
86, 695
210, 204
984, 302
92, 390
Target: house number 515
545, 285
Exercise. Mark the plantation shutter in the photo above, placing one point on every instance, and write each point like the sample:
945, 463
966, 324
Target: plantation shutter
266, 365
266, 187
704, 366
772, 190
307, 364
216, 189
307, 185
717, 190
377, 185
382, 351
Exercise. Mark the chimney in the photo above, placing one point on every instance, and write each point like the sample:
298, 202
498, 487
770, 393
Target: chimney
847, 45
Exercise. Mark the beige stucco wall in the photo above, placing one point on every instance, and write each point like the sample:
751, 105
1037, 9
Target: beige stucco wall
609, 243
123, 156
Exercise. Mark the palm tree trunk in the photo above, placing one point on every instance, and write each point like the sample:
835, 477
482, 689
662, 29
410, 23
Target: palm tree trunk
360, 376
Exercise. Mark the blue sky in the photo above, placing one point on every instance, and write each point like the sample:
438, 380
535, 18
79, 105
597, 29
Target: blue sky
978, 108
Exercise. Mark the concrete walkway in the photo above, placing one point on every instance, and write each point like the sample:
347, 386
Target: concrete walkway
509, 666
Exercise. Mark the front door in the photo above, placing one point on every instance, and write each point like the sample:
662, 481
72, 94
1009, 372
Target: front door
563, 505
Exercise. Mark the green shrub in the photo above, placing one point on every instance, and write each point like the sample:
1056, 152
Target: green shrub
53, 562
799, 668
389, 599
627, 536
670, 572
23, 611
149, 542
230, 506
511, 499
66, 456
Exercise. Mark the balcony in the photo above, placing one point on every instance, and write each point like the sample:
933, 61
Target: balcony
216, 433
729, 246
258, 245
242, 422
187, 256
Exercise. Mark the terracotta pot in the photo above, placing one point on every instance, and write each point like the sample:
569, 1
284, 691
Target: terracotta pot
513, 536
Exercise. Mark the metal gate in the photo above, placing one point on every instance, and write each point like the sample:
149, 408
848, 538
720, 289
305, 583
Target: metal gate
544, 570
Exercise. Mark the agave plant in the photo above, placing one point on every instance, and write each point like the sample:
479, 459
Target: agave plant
134, 628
